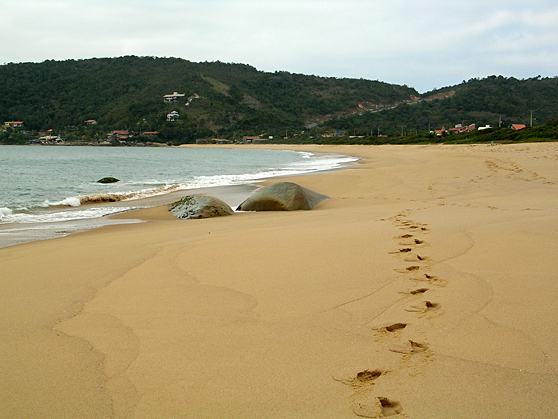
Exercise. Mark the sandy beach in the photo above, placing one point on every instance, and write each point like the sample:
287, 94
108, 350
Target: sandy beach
424, 288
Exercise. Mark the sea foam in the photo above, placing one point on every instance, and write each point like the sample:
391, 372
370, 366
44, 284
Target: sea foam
61, 216
5, 212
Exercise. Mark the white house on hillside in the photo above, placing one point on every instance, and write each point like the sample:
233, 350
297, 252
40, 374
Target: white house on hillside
173, 116
173, 97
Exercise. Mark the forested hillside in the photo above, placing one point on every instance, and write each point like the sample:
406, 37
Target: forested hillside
229, 100
494, 100
127, 93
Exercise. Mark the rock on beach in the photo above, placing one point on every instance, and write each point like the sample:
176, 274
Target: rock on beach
200, 206
283, 196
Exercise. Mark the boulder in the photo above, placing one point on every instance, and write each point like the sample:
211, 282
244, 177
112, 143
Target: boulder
108, 179
284, 196
200, 206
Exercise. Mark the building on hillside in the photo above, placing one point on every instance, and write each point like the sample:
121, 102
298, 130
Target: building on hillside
90, 122
13, 124
484, 128
440, 132
173, 116
120, 135
49, 131
459, 129
173, 97
518, 127
151, 134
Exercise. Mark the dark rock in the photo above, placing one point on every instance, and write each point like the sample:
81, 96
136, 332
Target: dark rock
108, 179
200, 206
284, 196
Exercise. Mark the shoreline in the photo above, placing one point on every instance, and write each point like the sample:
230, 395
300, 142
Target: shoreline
16, 233
40, 231
306, 313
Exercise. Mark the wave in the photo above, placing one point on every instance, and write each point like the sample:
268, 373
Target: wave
54, 217
5, 212
321, 163
308, 163
103, 198
311, 163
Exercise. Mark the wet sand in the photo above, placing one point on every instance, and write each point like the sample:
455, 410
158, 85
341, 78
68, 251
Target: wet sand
18, 233
425, 287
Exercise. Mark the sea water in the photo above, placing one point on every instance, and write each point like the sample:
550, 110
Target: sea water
42, 187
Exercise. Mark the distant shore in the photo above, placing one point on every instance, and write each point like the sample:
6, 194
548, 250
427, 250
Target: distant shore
424, 287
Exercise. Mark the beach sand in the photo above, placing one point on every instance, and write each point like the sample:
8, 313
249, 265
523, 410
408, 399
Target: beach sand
426, 287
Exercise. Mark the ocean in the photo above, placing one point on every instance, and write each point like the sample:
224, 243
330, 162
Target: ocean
48, 192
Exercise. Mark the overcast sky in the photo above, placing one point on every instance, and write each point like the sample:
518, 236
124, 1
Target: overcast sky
424, 43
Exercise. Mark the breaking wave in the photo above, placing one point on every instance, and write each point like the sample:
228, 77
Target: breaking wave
69, 208
103, 198
310, 164
59, 216
5, 212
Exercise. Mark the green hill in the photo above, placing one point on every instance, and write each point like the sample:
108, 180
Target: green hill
236, 99
127, 93
478, 101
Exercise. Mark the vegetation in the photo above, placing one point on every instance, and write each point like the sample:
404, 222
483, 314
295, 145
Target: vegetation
14, 136
233, 100
127, 93
494, 101
547, 132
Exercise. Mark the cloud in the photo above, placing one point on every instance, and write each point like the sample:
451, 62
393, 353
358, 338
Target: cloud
425, 44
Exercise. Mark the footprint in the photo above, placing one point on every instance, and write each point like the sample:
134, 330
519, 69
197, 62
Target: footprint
404, 250
418, 291
406, 236
417, 241
376, 407
367, 376
364, 403
419, 257
363, 379
395, 327
412, 347
424, 307
432, 279
408, 269
389, 407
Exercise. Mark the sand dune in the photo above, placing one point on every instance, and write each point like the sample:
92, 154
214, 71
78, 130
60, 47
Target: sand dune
425, 287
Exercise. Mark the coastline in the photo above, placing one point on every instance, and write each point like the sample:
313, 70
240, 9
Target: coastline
97, 208
293, 314
39, 231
